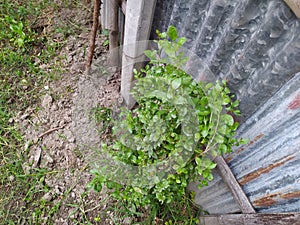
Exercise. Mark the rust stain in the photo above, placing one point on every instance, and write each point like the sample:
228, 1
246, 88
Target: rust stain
295, 104
265, 201
239, 150
271, 199
292, 195
228, 159
257, 173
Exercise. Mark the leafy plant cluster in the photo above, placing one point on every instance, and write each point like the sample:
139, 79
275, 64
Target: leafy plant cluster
173, 134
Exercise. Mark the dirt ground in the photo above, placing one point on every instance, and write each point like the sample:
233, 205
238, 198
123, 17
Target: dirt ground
61, 135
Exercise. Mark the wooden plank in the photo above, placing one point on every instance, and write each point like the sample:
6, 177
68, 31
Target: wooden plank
252, 219
294, 5
233, 185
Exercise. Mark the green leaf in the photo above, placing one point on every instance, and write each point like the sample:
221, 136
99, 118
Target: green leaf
172, 33
181, 41
176, 83
198, 161
235, 103
212, 165
20, 42
204, 182
227, 119
151, 54
204, 133
197, 136
223, 148
210, 177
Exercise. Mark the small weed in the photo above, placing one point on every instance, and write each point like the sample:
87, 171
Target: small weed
22, 53
105, 34
103, 117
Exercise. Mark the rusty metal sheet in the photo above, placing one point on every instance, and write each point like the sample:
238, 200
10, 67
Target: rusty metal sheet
268, 167
255, 46
252, 219
214, 197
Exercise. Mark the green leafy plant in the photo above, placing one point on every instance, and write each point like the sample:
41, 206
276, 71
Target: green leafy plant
105, 33
173, 134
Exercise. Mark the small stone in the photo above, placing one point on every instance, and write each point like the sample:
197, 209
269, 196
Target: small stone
11, 178
24, 116
71, 146
47, 100
37, 157
47, 197
127, 220
73, 195
69, 136
49, 160
69, 58
26, 169
27, 145
54, 107
35, 140
57, 190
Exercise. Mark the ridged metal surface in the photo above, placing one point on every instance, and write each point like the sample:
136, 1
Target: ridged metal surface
255, 46
268, 167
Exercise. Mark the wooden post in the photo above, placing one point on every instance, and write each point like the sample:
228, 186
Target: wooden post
113, 7
138, 22
233, 185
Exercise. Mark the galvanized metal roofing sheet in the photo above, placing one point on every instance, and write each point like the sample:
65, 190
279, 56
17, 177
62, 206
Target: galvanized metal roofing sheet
268, 167
255, 45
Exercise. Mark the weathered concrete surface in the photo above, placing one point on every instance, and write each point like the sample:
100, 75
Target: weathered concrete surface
138, 22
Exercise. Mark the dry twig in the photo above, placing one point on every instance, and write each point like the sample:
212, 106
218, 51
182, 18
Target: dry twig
50, 131
96, 14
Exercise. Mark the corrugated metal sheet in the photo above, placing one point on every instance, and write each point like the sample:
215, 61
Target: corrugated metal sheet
268, 168
255, 45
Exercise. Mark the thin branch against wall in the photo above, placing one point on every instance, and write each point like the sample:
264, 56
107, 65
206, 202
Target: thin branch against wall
96, 13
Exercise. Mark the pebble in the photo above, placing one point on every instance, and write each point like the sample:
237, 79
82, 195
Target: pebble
47, 197
47, 100
127, 221
57, 190
54, 107
24, 116
49, 159
11, 178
